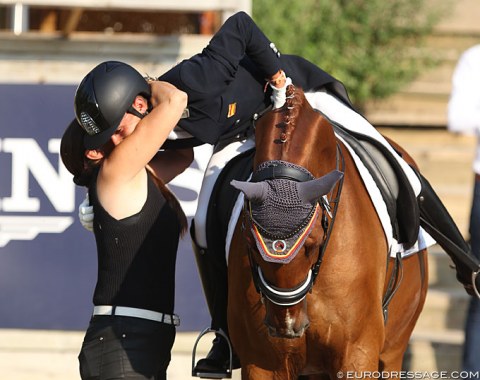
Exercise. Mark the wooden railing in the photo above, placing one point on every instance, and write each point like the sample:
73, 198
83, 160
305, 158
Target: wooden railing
20, 8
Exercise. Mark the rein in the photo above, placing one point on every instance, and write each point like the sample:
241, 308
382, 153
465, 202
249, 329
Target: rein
292, 296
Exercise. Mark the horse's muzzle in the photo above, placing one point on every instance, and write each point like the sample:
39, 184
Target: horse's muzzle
286, 333
286, 322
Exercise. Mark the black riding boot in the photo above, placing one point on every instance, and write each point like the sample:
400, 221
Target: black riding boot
436, 220
213, 275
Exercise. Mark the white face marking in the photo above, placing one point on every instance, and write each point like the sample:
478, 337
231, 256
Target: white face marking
289, 321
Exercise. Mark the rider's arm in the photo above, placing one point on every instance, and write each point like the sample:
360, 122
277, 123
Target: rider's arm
218, 63
240, 36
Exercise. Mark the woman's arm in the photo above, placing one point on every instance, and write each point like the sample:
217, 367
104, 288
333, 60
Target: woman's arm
122, 179
136, 150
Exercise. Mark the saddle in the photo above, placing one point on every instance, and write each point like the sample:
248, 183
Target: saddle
399, 197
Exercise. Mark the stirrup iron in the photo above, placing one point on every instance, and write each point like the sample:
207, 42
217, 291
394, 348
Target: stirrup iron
212, 375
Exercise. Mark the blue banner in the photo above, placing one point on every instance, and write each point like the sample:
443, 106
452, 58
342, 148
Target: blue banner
48, 261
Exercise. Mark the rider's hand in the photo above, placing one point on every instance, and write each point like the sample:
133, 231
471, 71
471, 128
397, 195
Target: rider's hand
278, 79
279, 93
85, 214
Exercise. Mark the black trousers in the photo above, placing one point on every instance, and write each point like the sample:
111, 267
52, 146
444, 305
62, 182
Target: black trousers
117, 347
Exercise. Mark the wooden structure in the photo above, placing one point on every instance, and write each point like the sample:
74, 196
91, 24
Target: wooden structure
56, 42
424, 102
53, 41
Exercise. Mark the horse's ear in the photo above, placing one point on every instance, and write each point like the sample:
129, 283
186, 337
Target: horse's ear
311, 190
254, 191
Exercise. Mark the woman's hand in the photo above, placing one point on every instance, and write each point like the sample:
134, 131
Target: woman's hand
161, 92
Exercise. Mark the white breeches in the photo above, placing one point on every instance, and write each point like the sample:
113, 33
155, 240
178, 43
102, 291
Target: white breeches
220, 157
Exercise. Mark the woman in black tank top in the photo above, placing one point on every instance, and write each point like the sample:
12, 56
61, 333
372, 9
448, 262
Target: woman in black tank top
112, 149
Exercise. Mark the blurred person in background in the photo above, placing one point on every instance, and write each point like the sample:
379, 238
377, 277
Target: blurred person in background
112, 149
464, 118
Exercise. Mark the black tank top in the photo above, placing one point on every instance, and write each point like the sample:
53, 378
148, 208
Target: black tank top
137, 254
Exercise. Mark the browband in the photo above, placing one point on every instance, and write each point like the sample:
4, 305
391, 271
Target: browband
281, 172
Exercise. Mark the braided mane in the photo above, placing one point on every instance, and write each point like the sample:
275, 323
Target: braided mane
291, 109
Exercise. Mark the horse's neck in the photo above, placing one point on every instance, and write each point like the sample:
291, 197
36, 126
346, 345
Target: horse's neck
313, 142
297, 133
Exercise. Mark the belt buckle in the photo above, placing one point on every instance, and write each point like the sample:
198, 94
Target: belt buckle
175, 320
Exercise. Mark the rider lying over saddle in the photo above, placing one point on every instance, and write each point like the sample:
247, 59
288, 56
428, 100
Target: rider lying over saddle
232, 82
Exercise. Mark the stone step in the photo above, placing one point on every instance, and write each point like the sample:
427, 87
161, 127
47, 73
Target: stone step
431, 351
437, 341
445, 160
409, 109
444, 309
441, 271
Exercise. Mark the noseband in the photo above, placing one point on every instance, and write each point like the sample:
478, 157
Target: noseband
292, 296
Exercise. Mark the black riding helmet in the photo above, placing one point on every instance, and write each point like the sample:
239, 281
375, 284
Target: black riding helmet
104, 96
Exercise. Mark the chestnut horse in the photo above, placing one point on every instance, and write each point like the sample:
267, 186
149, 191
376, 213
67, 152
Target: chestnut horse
309, 270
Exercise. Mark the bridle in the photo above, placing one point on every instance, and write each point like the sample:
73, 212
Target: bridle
292, 296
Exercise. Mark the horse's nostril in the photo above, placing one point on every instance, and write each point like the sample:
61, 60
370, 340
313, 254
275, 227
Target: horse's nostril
291, 334
287, 333
272, 331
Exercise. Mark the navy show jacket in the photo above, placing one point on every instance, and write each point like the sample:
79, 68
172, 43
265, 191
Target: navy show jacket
225, 83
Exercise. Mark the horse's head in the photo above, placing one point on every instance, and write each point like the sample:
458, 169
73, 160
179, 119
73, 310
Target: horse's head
286, 218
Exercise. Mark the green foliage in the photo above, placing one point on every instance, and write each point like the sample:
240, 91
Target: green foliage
373, 46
